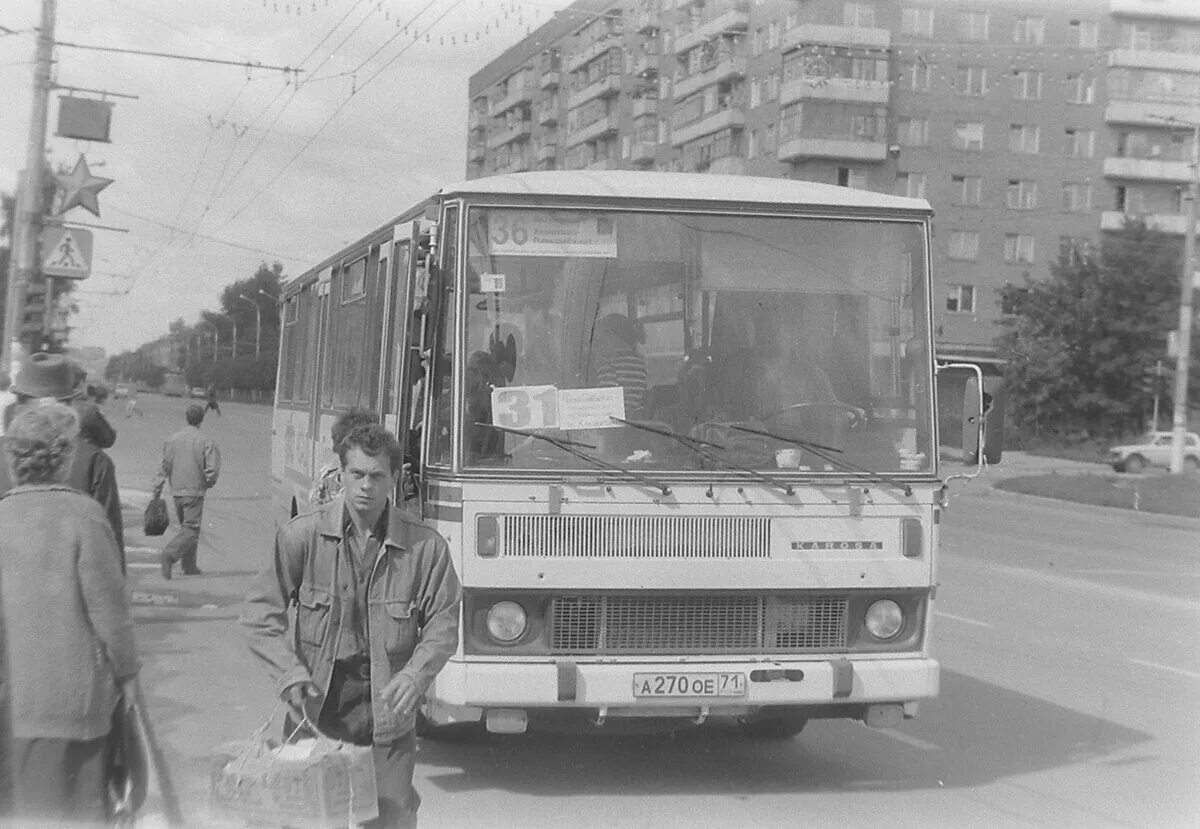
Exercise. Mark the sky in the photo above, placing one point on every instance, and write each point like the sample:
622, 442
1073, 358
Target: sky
217, 168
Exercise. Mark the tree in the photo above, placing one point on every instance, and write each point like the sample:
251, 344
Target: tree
1080, 341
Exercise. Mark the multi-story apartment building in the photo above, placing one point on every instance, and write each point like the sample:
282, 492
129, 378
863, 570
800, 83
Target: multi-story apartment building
1030, 125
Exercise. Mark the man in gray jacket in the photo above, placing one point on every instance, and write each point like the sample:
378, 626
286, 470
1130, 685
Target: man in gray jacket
191, 463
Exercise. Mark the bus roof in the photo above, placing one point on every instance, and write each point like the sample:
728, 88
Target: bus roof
702, 187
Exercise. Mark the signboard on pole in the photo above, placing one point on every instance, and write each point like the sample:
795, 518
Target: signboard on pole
67, 252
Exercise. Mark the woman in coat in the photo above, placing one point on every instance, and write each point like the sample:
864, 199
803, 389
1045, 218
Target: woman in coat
71, 652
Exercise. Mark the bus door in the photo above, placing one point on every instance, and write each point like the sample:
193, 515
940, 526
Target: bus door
402, 404
320, 369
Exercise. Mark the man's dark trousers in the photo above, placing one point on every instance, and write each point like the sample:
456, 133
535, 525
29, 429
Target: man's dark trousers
182, 548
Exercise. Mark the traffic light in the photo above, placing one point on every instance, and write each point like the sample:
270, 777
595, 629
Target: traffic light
33, 315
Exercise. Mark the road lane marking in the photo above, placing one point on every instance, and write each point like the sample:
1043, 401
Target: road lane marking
1168, 668
907, 739
962, 619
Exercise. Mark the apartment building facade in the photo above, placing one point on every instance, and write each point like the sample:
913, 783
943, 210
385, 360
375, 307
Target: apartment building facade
1031, 127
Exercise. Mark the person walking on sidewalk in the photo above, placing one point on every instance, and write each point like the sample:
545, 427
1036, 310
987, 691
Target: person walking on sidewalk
212, 401
71, 653
191, 463
376, 601
52, 376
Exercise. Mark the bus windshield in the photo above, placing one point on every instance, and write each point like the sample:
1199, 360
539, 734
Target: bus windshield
663, 342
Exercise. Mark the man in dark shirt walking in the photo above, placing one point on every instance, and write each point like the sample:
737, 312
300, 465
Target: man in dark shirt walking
191, 463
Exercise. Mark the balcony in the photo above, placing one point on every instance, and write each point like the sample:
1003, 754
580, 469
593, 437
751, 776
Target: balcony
522, 94
812, 33
597, 129
548, 114
646, 66
607, 86
1154, 59
707, 125
550, 80
643, 152
582, 57
724, 69
1149, 113
508, 135
1146, 169
1163, 9
800, 147
605, 164
734, 20
834, 89
1173, 223
546, 152
643, 106
476, 152
476, 120
645, 23
516, 165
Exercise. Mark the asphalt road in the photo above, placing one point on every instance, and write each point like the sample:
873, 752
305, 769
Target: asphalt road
1071, 681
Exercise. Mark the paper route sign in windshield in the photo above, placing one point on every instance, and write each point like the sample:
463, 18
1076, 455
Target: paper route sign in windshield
539, 233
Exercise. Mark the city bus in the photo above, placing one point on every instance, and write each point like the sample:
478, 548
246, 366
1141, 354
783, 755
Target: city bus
679, 430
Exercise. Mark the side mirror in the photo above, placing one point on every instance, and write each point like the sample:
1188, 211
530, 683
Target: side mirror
974, 405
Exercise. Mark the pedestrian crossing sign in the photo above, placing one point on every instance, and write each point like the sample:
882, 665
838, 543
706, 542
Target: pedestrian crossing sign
67, 252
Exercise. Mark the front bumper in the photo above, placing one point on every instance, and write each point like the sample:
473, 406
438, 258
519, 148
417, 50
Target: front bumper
474, 686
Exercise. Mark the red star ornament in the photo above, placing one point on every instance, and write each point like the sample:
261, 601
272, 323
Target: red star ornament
80, 188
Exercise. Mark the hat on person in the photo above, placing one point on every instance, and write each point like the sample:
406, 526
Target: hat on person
46, 375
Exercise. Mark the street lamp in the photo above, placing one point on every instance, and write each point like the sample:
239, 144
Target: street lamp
1186, 288
234, 322
257, 323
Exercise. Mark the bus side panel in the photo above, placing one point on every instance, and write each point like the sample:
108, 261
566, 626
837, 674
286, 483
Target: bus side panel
291, 457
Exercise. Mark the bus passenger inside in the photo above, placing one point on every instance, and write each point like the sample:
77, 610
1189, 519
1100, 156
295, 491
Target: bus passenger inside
618, 362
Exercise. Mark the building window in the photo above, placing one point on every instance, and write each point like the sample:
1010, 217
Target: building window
758, 43
964, 244
968, 135
752, 144
1077, 198
772, 93
1027, 84
1031, 30
791, 120
918, 22
912, 132
1023, 138
970, 80
961, 299
1021, 194
771, 139
755, 92
973, 26
914, 76
1081, 89
1083, 34
967, 189
773, 35
1073, 249
868, 127
852, 178
1018, 248
1079, 143
911, 185
858, 15
1012, 299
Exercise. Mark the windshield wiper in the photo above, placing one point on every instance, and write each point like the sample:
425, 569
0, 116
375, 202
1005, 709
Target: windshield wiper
697, 446
829, 454
569, 446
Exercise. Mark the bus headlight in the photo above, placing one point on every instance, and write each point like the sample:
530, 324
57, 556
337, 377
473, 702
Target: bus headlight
506, 622
884, 619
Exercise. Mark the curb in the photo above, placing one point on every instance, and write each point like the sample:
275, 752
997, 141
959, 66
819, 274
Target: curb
1182, 522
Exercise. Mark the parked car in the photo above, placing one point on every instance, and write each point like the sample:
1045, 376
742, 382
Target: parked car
121, 390
198, 391
1154, 449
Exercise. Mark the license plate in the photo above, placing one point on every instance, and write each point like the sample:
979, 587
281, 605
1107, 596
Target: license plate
689, 685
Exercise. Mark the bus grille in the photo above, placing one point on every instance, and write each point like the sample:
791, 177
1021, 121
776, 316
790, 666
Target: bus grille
697, 624
635, 536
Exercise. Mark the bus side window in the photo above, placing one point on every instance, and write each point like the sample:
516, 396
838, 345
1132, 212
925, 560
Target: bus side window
440, 384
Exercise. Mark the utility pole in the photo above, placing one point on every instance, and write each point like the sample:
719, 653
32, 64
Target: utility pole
1186, 290
28, 226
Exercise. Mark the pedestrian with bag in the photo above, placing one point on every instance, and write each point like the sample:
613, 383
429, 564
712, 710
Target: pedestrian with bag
376, 601
69, 679
191, 463
53, 377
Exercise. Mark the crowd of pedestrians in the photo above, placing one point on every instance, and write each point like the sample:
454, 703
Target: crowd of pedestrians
355, 610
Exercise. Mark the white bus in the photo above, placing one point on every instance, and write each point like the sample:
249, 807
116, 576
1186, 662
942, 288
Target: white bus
678, 429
